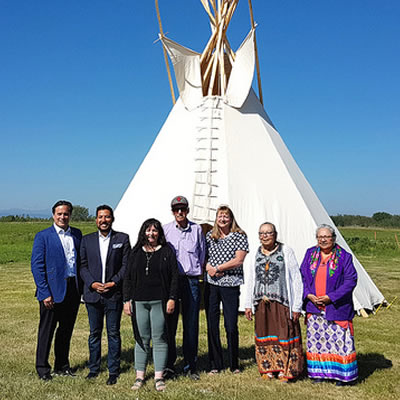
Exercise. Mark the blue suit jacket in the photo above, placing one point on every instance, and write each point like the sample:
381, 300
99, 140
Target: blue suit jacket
91, 267
48, 264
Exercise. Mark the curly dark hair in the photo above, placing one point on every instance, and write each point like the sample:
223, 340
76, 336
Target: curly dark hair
142, 239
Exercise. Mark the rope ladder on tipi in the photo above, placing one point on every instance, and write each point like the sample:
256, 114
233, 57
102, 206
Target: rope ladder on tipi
207, 160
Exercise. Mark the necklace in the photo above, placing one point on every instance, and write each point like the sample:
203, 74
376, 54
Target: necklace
149, 255
267, 254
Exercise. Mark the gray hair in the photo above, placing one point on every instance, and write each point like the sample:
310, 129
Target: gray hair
270, 223
330, 229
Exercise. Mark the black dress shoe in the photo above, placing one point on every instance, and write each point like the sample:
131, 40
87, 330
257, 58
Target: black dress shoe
46, 377
65, 372
169, 373
193, 375
112, 379
92, 375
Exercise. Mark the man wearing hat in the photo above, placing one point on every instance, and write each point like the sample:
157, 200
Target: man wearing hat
187, 240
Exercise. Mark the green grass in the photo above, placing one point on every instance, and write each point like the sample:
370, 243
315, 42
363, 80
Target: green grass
376, 337
376, 242
16, 238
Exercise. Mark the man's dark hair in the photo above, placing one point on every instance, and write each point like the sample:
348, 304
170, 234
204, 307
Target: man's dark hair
62, 203
105, 207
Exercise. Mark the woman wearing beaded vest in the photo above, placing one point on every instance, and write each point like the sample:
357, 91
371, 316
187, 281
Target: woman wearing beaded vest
149, 290
274, 292
329, 279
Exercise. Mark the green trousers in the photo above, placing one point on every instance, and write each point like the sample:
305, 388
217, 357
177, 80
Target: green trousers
151, 324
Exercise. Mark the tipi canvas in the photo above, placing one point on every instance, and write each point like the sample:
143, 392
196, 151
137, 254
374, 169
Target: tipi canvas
223, 149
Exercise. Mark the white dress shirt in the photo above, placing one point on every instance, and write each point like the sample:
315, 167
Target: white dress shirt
67, 242
104, 242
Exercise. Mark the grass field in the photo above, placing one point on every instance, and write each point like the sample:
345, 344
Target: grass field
377, 342
375, 242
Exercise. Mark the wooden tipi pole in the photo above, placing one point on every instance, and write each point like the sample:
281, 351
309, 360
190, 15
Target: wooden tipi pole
171, 86
256, 53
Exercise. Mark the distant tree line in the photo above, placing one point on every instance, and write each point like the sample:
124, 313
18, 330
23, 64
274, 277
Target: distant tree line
21, 218
379, 219
79, 213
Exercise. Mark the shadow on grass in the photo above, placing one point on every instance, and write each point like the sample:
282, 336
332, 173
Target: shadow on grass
368, 363
246, 360
126, 361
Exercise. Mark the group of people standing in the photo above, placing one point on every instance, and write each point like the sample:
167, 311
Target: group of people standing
159, 277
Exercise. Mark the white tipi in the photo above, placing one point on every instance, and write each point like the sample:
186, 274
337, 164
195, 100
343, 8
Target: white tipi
223, 140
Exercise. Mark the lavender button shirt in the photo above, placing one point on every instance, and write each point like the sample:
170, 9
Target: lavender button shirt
189, 246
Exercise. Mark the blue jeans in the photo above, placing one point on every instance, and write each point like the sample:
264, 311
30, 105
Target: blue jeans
189, 296
112, 310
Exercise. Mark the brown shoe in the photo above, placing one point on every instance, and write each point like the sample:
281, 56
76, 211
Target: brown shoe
267, 376
282, 378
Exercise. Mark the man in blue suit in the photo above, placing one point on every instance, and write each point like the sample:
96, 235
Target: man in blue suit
104, 256
55, 269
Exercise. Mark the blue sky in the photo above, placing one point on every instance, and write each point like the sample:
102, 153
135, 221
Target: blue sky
84, 92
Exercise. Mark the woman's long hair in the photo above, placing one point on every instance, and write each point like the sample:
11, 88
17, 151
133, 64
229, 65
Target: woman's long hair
142, 238
215, 232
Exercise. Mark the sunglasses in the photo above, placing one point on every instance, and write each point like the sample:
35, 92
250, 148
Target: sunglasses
181, 209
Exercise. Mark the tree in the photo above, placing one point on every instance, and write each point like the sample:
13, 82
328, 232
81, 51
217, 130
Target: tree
80, 213
380, 216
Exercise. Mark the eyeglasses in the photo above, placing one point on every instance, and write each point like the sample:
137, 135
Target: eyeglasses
324, 237
266, 233
181, 209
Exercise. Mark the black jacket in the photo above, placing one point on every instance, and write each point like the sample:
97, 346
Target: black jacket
168, 270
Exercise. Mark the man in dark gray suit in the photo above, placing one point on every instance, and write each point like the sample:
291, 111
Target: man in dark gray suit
104, 255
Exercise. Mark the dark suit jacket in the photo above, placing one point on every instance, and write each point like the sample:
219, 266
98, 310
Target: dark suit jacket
48, 264
91, 268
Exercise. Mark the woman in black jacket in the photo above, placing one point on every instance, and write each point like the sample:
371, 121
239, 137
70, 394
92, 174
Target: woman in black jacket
150, 290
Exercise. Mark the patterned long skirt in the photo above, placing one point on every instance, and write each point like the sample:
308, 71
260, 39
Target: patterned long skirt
330, 350
278, 340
